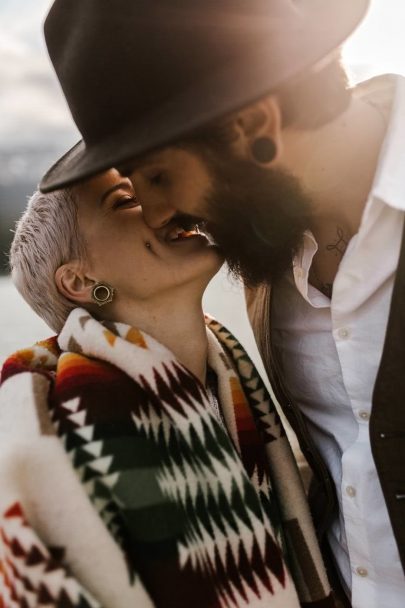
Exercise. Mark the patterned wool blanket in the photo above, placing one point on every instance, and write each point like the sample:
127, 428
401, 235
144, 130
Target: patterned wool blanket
119, 487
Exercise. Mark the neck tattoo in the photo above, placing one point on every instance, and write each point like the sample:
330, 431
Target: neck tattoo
338, 247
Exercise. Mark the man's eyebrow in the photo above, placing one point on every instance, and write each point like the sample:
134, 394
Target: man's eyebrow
107, 193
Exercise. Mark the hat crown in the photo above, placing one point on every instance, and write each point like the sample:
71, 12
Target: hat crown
124, 57
140, 74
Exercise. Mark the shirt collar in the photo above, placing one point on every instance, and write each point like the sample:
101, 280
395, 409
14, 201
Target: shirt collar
388, 94
302, 262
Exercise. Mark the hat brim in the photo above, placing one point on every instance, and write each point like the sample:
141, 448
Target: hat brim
326, 26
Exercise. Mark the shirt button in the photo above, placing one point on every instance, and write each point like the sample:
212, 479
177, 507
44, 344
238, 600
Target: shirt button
365, 416
350, 491
343, 333
362, 571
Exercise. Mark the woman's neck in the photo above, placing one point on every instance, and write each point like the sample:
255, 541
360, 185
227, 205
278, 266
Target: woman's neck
179, 325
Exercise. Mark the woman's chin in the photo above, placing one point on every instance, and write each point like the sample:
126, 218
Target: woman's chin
185, 277
215, 265
204, 269
215, 259
220, 259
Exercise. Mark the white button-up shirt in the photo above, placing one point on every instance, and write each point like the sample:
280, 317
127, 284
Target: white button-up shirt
330, 351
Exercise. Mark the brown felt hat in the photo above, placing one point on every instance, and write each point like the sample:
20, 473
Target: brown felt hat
139, 74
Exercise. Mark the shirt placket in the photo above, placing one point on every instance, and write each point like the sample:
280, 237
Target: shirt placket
354, 473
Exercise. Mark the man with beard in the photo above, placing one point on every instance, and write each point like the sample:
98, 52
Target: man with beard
239, 114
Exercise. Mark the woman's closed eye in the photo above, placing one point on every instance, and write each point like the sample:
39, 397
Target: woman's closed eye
126, 201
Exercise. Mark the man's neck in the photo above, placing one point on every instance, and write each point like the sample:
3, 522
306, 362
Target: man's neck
336, 166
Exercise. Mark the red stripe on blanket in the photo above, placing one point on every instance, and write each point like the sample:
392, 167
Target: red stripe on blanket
252, 451
73, 367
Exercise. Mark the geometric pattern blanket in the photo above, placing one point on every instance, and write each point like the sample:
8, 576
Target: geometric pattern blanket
120, 488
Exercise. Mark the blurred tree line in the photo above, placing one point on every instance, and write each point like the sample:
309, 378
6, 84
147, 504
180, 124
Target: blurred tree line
13, 200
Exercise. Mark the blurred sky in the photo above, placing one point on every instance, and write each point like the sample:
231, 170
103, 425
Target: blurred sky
32, 109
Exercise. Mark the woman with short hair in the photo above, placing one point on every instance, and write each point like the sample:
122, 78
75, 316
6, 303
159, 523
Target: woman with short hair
142, 461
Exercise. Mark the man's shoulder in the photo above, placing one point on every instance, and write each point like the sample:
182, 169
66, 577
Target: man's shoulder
379, 90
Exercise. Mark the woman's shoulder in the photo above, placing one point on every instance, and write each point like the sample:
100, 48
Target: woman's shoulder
41, 357
26, 376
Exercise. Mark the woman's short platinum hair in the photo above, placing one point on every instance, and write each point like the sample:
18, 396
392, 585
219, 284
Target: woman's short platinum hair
46, 237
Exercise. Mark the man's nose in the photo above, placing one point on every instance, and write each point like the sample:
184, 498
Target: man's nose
157, 215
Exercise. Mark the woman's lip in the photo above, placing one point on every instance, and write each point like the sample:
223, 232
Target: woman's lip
189, 237
181, 230
185, 234
180, 234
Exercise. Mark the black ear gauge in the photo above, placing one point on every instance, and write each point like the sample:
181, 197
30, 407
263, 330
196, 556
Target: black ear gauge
264, 150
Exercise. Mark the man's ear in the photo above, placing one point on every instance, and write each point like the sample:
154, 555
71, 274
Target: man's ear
73, 283
258, 127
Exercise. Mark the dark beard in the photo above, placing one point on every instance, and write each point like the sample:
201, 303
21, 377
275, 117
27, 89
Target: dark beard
258, 219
